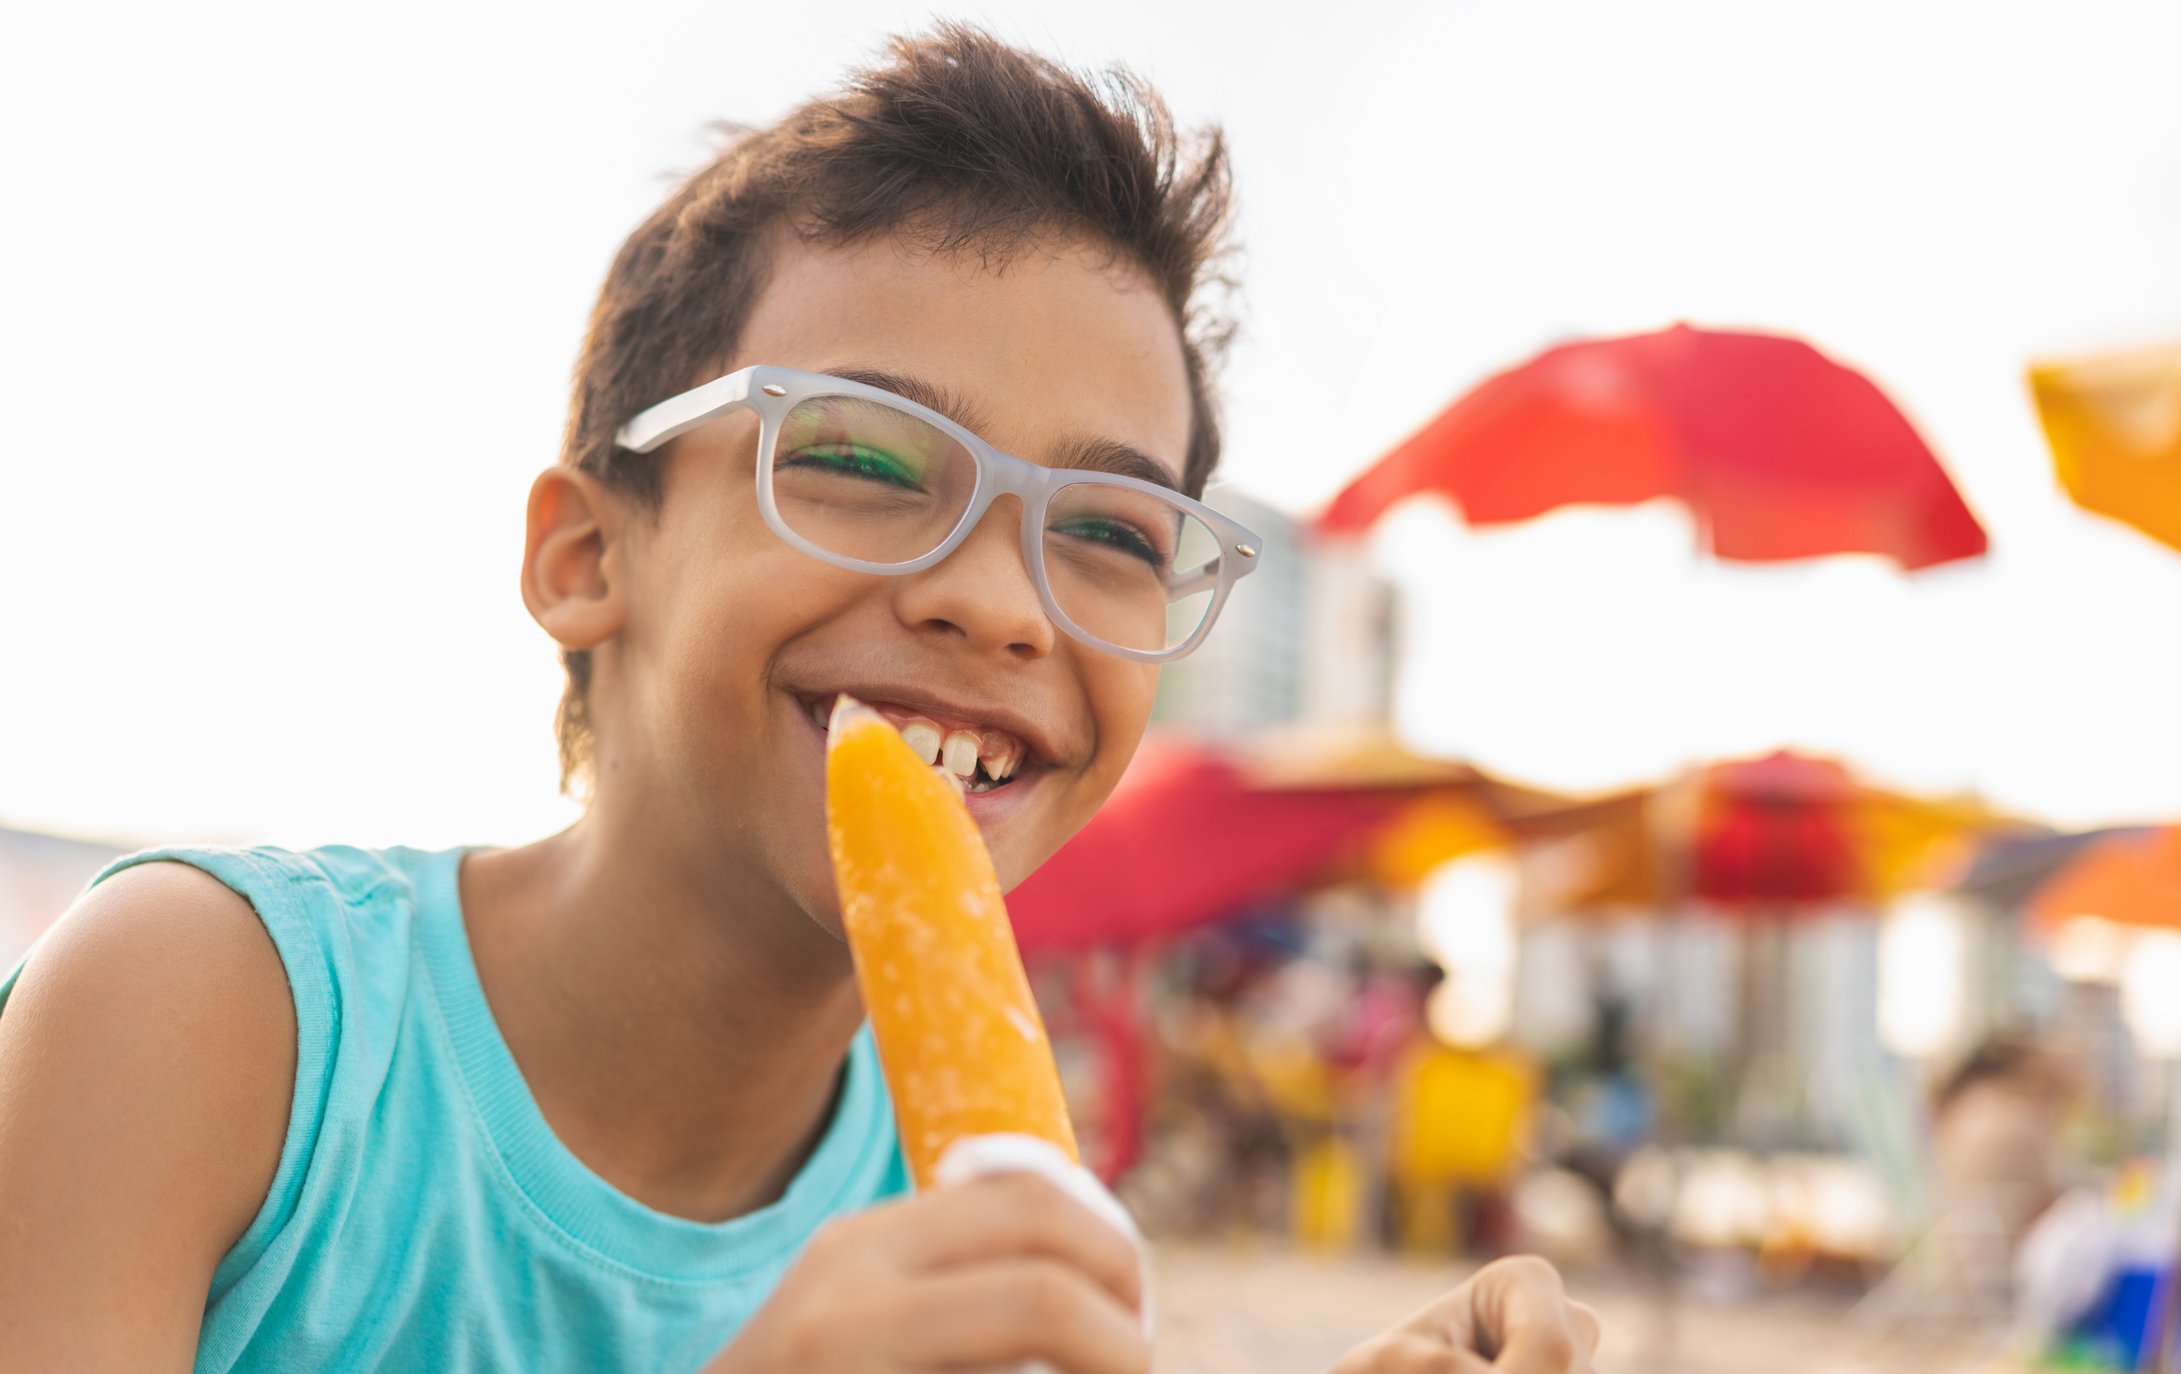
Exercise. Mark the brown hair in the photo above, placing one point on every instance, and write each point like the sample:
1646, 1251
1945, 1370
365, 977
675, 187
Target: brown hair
959, 143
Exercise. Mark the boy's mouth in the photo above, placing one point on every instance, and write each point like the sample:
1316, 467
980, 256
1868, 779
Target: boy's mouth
978, 756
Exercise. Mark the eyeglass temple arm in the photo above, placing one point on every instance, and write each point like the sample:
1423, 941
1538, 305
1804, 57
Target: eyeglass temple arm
1193, 581
1206, 575
677, 415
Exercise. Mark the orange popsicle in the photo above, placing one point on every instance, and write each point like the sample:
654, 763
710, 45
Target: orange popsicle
964, 1050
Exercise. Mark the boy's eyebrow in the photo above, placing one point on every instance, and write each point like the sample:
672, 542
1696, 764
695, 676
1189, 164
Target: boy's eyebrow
1107, 455
1092, 455
926, 394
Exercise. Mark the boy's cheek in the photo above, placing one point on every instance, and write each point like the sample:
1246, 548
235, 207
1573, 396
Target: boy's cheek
1122, 694
1070, 807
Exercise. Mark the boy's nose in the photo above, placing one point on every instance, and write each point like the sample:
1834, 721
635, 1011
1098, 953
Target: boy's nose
982, 591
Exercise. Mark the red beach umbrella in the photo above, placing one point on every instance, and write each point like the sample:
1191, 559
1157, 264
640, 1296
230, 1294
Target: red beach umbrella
1779, 452
1756, 838
1187, 839
1775, 832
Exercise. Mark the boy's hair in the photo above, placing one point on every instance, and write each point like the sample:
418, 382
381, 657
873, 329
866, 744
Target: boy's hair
958, 143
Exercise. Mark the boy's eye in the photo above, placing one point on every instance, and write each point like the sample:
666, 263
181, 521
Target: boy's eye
1118, 535
853, 460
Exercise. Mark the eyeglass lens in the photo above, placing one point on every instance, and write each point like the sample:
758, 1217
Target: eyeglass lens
869, 481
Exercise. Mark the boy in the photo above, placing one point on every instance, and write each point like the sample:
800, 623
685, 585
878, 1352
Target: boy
602, 1102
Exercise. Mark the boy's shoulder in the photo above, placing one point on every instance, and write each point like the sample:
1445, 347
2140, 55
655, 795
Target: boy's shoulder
319, 893
352, 873
348, 922
344, 921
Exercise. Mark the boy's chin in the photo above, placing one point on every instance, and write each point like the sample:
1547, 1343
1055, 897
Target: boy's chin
816, 896
829, 921
1025, 842
808, 886
820, 904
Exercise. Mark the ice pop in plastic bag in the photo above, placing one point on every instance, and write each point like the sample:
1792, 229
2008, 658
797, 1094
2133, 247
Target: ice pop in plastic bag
959, 1036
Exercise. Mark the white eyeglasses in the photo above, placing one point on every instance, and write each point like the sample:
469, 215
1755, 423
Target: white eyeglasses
863, 479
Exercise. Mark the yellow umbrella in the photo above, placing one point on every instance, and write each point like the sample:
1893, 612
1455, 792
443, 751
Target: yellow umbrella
1434, 829
1452, 809
2114, 423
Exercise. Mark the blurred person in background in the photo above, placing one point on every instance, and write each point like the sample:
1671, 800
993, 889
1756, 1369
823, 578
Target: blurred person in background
1459, 1134
1219, 1165
1611, 1112
603, 1101
1997, 1124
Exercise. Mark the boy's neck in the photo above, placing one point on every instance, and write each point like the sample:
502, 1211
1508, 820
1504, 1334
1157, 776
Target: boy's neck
683, 1038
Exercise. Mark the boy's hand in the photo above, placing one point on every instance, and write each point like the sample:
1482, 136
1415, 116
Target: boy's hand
1511, 1317
994, 1272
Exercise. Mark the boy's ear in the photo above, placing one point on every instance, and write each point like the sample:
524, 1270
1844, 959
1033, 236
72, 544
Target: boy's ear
571, 559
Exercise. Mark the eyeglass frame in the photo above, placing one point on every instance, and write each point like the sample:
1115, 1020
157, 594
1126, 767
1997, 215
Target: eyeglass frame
774, 393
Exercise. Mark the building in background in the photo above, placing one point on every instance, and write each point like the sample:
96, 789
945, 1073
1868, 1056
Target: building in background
1308, 636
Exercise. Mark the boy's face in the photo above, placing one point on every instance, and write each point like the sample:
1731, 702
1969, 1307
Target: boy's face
734, 644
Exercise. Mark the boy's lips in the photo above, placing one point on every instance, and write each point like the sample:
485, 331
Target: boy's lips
983, 749
988, 803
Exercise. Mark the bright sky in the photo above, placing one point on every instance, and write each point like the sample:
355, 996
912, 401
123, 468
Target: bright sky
292, 294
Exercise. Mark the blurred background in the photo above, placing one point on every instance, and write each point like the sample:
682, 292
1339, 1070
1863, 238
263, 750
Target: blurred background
1692, 790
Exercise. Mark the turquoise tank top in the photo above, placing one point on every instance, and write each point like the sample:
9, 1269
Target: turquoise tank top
424, 1216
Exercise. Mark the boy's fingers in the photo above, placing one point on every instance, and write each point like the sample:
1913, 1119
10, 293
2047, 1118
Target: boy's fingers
1002, 1314
1413, 1354
1516, 1314
1523, 1319
1587, 1330
1022, 1215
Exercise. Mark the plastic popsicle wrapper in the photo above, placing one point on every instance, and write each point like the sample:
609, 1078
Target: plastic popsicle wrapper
964, 1050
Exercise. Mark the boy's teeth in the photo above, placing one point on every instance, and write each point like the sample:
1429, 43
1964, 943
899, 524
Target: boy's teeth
954, 753
959, 754
923, 737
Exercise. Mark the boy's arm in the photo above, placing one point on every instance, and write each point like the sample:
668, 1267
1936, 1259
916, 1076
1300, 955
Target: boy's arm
147, 1061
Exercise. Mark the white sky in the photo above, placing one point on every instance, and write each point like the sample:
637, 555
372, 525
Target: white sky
292, 293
